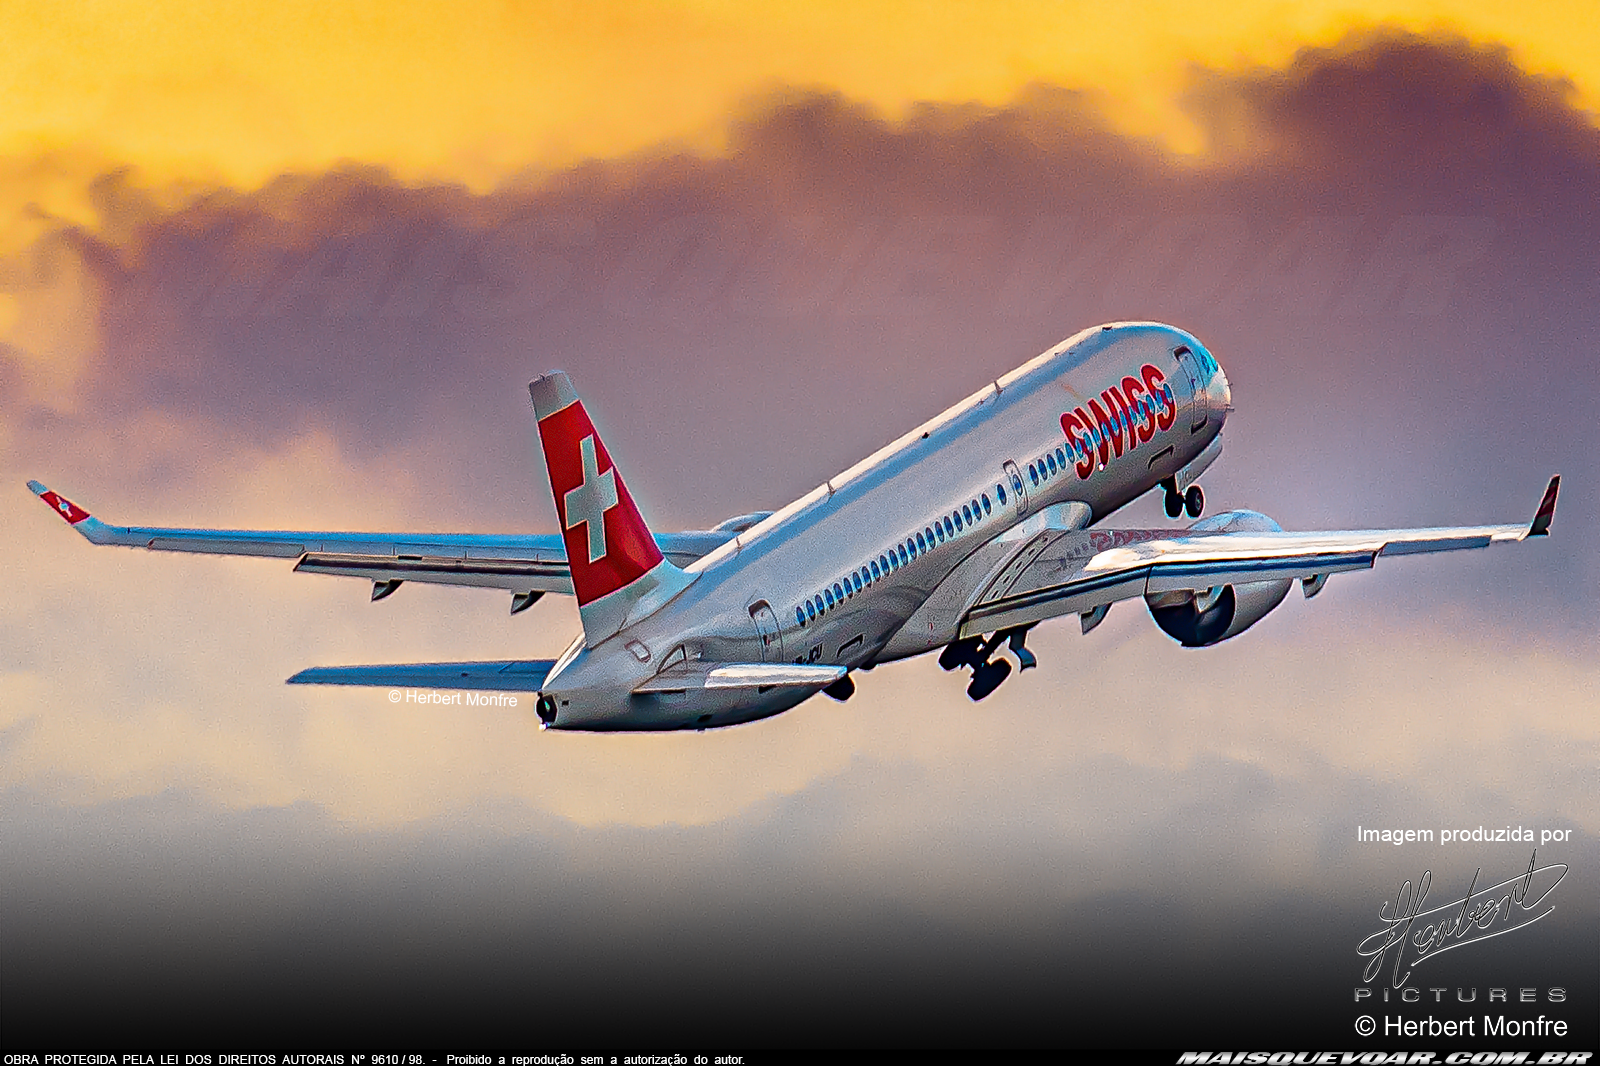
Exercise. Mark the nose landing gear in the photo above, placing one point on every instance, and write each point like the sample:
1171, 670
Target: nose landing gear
1177, 503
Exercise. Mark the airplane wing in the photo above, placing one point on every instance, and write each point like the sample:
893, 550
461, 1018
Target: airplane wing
1081, 572
503, 676
528, 565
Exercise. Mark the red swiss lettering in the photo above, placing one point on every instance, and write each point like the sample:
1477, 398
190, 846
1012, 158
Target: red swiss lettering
1135, 392
1155, 382
1109, 425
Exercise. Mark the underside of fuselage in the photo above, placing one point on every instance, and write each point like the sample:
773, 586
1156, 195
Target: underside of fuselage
652, 712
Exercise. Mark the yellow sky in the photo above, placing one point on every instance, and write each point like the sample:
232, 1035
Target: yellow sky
475, 91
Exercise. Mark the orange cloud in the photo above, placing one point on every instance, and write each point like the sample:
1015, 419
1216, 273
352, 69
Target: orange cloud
475, 92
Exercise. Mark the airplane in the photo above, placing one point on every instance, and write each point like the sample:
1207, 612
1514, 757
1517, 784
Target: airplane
957, 538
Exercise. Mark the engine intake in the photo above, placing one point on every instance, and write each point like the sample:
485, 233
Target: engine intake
1200, 619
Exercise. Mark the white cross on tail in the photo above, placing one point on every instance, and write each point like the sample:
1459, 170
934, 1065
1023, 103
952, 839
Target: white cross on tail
589, 502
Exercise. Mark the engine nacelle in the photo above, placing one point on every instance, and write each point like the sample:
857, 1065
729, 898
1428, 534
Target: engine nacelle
1200, 619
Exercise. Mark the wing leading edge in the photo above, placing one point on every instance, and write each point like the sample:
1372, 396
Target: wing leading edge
1077, 574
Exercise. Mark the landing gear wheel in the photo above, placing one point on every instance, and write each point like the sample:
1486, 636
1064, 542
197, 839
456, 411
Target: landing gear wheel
841, 689
958, 653
1194, 501
1174, 505
987, 678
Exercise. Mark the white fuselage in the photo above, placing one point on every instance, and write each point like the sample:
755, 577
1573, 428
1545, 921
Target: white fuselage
890, 524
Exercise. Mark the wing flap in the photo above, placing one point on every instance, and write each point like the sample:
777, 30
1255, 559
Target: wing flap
1052, 601
1200, 575
503, 676
516, 575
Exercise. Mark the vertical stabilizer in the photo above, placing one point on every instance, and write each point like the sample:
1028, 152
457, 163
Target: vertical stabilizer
618, 573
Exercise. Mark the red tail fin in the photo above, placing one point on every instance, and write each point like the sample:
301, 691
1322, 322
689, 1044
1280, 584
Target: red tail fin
614, 560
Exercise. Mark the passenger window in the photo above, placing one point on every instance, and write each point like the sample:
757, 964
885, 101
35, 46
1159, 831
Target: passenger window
949, 529
938, 532
875, 572
1050, 461
986, 508
921, 544
957, 517
855, 579
811, 610
800, 616
829, 594
929, 531
838, 593
1061, 457
1000, 491
966, 512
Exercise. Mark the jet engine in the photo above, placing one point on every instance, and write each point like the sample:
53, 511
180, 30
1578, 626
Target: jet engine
1210, 616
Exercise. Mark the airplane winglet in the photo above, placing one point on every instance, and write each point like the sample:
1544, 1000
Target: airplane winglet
92, 528
1540, 526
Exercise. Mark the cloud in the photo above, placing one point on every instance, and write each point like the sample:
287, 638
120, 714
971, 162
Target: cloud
1398, 300
801, 922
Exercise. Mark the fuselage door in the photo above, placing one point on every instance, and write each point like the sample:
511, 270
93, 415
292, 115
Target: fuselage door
766, 624
1196, 408
1019, 488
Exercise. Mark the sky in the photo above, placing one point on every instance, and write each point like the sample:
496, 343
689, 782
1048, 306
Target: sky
293, 269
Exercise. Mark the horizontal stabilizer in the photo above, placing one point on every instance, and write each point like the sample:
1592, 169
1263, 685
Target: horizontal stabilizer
505, 676
742, 675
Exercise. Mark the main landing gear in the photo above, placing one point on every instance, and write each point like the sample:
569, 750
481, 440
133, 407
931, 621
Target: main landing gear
1178, 503
987, 673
